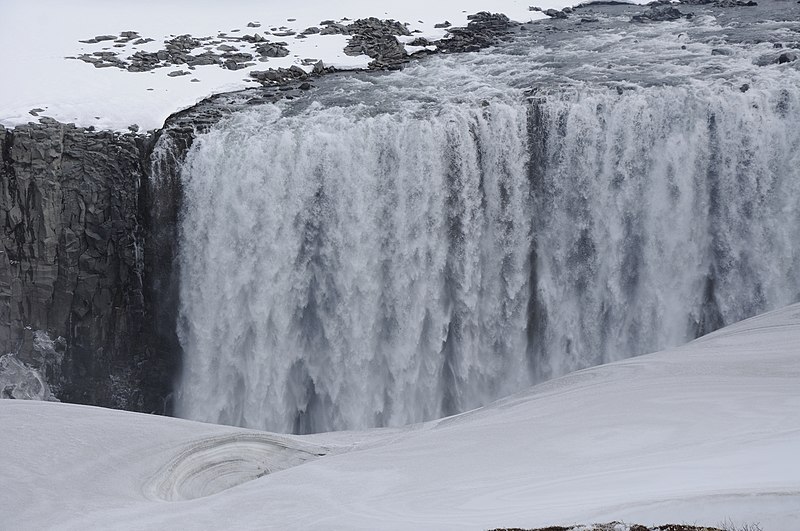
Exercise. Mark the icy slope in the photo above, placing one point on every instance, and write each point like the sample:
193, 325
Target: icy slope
698, 434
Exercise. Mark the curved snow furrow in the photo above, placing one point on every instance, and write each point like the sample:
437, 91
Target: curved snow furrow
211, 465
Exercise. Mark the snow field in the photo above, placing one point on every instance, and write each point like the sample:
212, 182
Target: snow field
699, 434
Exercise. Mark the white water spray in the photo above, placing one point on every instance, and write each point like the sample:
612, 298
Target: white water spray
353, 265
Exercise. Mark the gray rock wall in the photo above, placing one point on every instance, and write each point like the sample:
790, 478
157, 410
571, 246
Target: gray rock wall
71, 263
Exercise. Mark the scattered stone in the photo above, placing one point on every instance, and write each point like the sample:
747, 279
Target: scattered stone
194, 80
305, 86
253, 25
239, 57
273, 49
133, 128
230, 64
35, 112
99, 38
178, 73
445, 24
255, 38
745, 87
205, 58
310, 31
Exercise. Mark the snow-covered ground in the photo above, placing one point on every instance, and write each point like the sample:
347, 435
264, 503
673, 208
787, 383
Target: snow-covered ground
37, 36
699, 434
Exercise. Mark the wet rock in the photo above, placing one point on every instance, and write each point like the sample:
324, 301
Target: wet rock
554, 13
445, 24
776, 58
279, 76
660, 13
483, 30
735, 3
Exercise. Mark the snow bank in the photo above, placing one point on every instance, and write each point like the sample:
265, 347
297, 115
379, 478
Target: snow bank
37, 36
705, 433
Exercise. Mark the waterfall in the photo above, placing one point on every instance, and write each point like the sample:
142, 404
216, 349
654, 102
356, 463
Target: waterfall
343, 268
398, 248
661, 215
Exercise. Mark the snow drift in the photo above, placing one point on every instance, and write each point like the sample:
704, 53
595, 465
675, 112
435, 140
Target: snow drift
700, 434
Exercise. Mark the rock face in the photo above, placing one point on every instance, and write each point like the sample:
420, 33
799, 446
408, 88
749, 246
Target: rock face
71, 264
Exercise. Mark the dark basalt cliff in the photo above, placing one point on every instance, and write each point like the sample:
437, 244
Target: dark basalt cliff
71, 264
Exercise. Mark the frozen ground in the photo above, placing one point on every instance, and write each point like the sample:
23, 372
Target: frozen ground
698, 434
36, 36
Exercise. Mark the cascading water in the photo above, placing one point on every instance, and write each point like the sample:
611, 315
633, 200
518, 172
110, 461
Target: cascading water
423, 243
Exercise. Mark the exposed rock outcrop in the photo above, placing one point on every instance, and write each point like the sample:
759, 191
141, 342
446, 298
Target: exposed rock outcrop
71, 263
